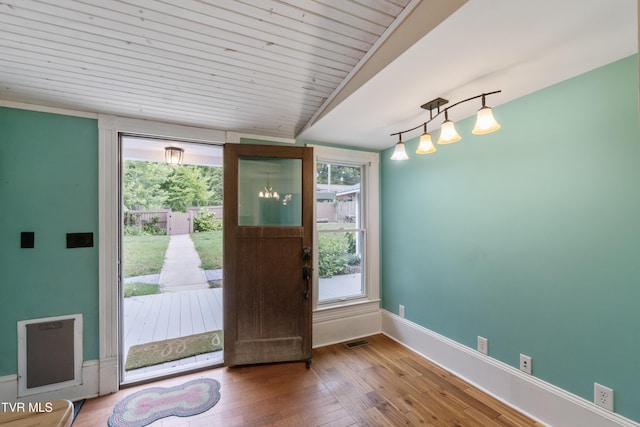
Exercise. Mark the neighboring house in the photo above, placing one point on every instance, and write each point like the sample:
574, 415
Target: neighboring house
337, 203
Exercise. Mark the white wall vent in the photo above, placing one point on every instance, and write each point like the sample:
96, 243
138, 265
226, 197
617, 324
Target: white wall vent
49, 354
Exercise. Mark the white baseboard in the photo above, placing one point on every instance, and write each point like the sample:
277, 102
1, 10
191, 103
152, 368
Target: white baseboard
88, 388
8, 388
538, 399
346, 323
109, 376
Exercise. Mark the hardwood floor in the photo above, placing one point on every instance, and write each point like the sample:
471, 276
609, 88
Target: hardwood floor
379, 384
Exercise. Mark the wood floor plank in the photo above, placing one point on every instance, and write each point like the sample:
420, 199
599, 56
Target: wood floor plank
162, 324
416, 412
132, 337
197, 319
186, 328
173, 331
204, 298
381, 384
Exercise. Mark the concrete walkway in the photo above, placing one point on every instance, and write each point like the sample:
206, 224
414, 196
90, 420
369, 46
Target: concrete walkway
181, 270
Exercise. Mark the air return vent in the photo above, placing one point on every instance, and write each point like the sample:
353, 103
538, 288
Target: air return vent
358, 343
49, 354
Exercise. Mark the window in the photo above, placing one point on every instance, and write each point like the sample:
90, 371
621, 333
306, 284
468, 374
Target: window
340, 232
346, 227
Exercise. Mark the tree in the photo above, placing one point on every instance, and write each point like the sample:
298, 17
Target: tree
214, 175
340, 175
143, 184
154, 185
187, 186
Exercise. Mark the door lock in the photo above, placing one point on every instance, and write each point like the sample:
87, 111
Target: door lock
306, 253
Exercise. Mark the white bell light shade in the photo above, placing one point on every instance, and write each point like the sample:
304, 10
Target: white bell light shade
173, 155
426, 145
485, 122
448, 133
400, 152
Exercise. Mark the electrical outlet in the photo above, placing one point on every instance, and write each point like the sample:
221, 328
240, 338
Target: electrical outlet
525, 364
603, 396
483, 345
401, 311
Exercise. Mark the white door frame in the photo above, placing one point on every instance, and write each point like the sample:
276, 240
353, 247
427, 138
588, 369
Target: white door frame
109, 128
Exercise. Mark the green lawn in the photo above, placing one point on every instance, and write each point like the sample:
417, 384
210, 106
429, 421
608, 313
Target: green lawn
209, 247
136, 289
143, 254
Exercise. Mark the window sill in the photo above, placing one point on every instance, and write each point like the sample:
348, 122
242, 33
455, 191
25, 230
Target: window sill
342, 309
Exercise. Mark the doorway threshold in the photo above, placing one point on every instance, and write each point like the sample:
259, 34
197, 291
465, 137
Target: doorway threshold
146, 375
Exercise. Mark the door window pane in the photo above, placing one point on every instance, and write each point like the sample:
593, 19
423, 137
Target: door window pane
340, 232
269, 192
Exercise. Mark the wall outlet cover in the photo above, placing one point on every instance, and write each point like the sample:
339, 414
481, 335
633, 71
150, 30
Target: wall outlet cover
483, 345
603, 396
525, 364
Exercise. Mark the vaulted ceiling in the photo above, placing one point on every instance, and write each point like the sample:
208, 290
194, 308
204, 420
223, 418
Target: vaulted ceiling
342, 71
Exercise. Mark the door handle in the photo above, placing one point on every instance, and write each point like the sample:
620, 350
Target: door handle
306, 253
306, 276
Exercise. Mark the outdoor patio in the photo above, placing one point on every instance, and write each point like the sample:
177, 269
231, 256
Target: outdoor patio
151, 318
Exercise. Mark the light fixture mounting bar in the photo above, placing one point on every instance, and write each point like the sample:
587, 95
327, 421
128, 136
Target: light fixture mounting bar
435, 104
474, 97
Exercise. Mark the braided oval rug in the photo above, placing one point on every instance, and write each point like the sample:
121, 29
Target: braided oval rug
151, 404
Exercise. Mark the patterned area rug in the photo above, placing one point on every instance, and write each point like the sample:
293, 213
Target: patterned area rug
157, 352
146, 406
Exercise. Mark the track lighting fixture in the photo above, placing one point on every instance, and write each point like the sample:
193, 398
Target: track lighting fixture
485, 123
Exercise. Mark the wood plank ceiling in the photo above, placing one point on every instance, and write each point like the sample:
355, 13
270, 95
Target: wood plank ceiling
253, 66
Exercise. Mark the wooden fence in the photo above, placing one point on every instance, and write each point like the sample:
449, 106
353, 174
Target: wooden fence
156, 221
337, 211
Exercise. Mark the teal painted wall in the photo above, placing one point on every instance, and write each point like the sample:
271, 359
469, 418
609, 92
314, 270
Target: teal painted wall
529, 236
48, 185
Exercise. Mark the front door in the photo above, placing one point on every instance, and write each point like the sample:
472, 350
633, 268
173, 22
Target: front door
268, 230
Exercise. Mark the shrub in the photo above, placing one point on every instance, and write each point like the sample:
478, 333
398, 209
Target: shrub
351, 241
142, 228
332, 254
206, 221
353, 259
152, 227
133, 230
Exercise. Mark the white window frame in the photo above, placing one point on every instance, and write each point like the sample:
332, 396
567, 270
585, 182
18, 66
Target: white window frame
370, 206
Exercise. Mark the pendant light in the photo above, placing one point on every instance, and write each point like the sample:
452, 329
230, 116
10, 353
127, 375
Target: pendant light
448, 132
400, 152
268, 192
485, 122
173, 155
426, 145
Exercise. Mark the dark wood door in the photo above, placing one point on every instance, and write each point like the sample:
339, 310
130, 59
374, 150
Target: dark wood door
268, 220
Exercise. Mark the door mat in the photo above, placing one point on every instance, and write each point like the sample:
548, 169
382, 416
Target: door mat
146, 406
157, 352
